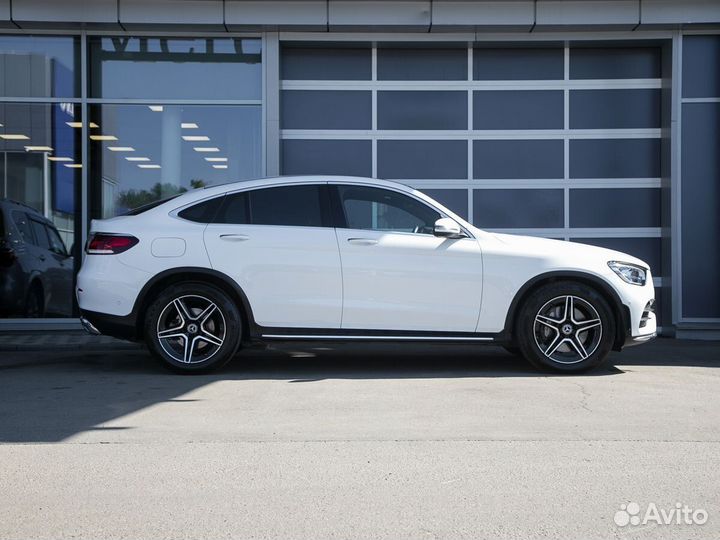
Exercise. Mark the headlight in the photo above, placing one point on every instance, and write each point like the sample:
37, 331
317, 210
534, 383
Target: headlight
629, 273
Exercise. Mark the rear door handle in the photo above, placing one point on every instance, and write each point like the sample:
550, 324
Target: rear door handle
234, 237
363, 241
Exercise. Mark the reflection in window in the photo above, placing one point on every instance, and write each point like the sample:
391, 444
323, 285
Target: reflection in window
385, 210
140, 154
39, 66
40, 160
175, 68
39, 177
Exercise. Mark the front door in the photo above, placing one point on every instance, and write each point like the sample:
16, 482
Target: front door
397, 275
273, 242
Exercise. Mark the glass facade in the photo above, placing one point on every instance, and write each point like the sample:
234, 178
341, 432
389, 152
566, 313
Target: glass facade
164, 115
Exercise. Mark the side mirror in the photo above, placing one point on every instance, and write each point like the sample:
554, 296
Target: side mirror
447, 228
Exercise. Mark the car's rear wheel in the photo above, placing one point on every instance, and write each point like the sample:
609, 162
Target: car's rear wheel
193, 327
34, 302
567, 327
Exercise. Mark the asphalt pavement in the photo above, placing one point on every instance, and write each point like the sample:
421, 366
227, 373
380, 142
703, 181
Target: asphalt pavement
372, 441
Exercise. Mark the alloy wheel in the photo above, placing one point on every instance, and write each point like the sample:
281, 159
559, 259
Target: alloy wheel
191, 329
567, 329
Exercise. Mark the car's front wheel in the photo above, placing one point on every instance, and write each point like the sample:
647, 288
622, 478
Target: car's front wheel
565, 326
193, 327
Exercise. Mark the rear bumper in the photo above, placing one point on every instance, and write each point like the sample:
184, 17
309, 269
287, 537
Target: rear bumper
121, 327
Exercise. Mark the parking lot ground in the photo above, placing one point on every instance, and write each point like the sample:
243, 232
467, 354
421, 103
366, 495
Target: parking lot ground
371, 441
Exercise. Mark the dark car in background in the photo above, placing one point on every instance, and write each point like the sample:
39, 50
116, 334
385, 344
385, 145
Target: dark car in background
36, 270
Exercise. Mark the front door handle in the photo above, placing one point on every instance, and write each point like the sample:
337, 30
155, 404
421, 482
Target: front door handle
234, 237
362, 241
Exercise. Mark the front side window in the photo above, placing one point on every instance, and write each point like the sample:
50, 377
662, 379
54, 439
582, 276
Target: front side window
385, 210
40, 234
56, 243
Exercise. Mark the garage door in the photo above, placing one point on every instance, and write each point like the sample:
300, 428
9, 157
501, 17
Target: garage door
549, 139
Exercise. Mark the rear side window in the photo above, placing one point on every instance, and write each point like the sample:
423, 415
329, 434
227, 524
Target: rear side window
21, 223
203, 212
40, 234
296, 206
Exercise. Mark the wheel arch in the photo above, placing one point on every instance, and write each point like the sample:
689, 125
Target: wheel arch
208, 276
619, 310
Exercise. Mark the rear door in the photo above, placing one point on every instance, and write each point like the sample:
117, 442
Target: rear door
278, 244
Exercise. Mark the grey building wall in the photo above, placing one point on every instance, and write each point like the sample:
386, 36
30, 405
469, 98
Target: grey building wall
669, 108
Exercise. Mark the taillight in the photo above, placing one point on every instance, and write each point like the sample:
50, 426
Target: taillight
109, 244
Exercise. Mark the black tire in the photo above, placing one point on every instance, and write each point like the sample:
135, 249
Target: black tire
34, 304
183, 315
512, 349
552, 340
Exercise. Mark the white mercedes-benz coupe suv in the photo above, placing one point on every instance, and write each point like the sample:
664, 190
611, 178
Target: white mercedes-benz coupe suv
336, 258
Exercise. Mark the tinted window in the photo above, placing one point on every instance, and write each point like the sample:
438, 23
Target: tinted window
385, 210
56, 243
21, 222
297, 206
234, 209
40, 234
203, 212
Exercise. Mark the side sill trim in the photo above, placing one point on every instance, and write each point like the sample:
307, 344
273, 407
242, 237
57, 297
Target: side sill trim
384, 338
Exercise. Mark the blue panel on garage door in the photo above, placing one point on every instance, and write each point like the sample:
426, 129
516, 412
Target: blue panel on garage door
518, 109
422, 64
422, 159
700, 209
521, 63
518, 159
615, 63
622, 207
422, 110
615, 158
647, 249
614, 109
328, 61
326, 109
700, 65
518, 208
352, 158
454, 199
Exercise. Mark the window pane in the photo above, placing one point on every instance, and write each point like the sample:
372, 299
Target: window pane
385, 210
615, 63
624, 207
615, 158
39, 66
203, 212
234, 209
40, 168
614, 109
518, 109
326, 61
701, 58
297, 206
422, 159
422, 110
518, 159
518, 208
351, 158
326, 109
23, 226
175, 68
422, 63
141, 154
56, 243
521, 63
40, 234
